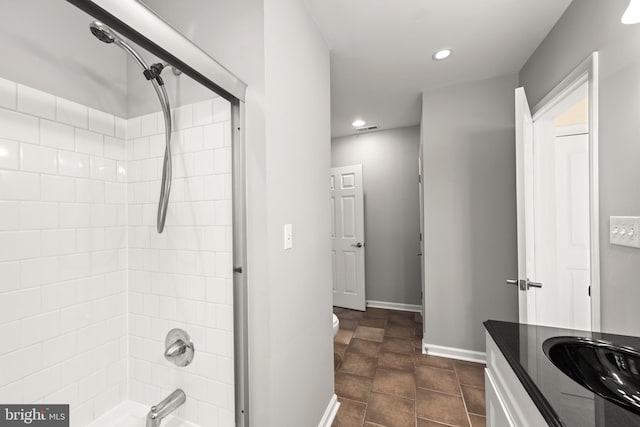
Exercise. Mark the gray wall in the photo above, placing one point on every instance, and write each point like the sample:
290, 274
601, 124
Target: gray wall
47, 45
275, 48
389, 161
470, 210
298, 163
587, 26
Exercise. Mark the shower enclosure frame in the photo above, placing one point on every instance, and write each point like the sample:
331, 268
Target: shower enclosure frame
142, 26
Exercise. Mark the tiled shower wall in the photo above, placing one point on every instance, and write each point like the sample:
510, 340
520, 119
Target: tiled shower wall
183, 277
62, 253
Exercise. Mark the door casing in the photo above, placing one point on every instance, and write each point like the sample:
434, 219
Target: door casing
585, 73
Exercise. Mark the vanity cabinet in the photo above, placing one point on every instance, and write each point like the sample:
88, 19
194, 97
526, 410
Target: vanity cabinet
507, 402
525, 389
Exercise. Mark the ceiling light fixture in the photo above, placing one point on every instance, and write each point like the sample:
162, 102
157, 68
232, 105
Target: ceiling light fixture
632, 14
358, 123
442, 54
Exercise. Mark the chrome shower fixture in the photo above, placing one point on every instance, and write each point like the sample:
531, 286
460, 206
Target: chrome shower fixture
179, 348
102, 32
151, 73
168, 405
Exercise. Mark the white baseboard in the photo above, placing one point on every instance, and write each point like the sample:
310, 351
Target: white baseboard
454, 353
330, 412
395, 306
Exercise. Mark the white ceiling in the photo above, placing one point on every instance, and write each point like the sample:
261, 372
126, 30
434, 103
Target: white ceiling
381, 50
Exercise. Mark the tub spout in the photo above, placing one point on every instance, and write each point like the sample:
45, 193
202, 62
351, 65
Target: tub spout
164, 408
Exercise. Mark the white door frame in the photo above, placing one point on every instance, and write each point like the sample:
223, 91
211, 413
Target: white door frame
421, 237
587, 72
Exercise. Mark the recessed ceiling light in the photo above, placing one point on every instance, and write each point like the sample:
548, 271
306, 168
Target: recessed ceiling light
442, 54
358, 123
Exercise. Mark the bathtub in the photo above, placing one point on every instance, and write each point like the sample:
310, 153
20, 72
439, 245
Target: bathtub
133, 414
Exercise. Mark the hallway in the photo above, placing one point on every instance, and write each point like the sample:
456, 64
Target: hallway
382, 379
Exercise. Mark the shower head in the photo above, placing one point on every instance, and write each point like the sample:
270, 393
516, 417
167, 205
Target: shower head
107, 35
102, 32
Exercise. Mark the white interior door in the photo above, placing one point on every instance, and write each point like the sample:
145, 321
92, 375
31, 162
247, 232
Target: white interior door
573, 237
524, 196
347, 234
562, 241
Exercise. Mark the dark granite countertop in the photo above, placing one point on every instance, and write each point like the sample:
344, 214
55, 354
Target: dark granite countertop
562, 402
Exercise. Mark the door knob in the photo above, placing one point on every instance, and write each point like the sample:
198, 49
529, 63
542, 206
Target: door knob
521, 284
524, 285
358, 245
531, 284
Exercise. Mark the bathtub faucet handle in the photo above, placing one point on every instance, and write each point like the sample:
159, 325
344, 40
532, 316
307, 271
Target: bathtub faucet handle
178, 347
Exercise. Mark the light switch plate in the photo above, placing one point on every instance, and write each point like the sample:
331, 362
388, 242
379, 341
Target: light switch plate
288, 236
624, 231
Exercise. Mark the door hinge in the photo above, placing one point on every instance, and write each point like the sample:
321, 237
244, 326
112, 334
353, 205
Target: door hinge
419, 178
589, 290
421, 237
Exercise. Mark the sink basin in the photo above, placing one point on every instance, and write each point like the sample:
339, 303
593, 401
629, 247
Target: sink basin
608, 370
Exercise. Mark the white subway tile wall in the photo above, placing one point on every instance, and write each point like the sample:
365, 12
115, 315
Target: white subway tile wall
78, 246
63, 279
183, 277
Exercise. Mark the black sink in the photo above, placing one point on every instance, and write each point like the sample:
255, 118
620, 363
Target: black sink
609, 370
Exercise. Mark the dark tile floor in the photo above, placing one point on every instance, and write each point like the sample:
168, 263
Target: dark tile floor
383, 379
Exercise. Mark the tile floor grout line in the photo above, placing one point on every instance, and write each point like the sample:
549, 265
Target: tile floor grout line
473, 386
394, 395
366, 406
440, 392
439, 422
415, 375
464, 402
